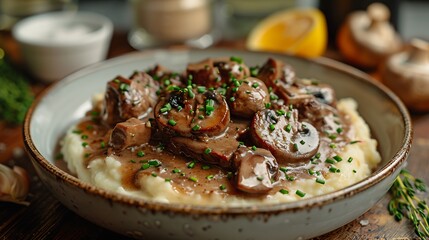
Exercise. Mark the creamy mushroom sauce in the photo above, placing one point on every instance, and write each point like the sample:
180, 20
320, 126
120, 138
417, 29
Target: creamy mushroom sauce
218, 127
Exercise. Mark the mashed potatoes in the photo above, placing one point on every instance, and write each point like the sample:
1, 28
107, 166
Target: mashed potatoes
358, 160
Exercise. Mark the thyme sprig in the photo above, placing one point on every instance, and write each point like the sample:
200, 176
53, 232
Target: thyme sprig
405, 202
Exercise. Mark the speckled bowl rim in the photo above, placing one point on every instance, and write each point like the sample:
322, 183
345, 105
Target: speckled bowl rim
318, 201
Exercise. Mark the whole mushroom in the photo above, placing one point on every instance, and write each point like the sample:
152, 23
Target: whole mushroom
407, 74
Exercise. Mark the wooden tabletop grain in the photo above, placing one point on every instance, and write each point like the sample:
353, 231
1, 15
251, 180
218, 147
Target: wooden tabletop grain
47, 218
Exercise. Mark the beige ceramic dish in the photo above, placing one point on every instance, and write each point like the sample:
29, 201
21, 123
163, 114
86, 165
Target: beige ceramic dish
65, 102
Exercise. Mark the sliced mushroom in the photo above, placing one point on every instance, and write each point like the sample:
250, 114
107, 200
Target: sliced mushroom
215, 72
257, 170
194, 112
126, 98
306, 90
287, 139
275, 73
132, 132
247, 96
165, 78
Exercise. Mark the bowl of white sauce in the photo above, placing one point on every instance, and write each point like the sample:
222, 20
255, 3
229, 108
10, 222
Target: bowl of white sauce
56, 44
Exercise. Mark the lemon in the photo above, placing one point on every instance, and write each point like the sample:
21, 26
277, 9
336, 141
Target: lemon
299, 32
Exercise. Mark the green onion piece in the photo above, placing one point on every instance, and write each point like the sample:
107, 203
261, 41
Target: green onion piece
168, 179
300, 193
84, 144
290, 107
284, 169
280, 112
295, 147
272, 127
288, 128
232, 99
191, 164
140, 153
290, 178
172, 122
254, 71
310, 171
89, 127
332, 136
334, 170
330, 161
288, 114
207, 150
176, 170
259, 178
236, 59
84, 137
267, 105
320, 180
350, 160
132, 161
193, 179
354, 142
123, 87
77, 131
201, 89
354, 171
196, 127
167, 82
86, 155
254, 148
209, 177
145, 166
103, 144
222, 187
273, 97
317, 155
302, 142
234, 89
332, 145
154, 162
154, 174
337, 158
339, 130
255, 85
284, 191
205, 167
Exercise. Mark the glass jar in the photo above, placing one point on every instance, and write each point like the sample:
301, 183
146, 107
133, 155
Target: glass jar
163, 22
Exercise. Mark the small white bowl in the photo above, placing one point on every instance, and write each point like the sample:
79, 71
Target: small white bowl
58, 43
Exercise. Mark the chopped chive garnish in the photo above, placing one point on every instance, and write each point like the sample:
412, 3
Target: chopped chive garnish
168, 179
295, 147
300, 193
234, 89
205, 167
310, 171
290, 178
320, 180
232, 99
222, 187
77, 131
172, 122
272, 127
255, 85
207, 150
145, 166
167, 82
288, 128
288, 114
273, 97
332, 136
140, 153
334, 170
201, 89
353, 142
191, 164
236, 59
302, 142
330, 161
154, 162
154, 174
132, 161
284, 169
124, 87
254, 148
86, 155
350, 159
229, 175
267, 105
209, 177
284, 191
317, 155
116, 81
280, 112
332, 145
176, 170
354, 171
89, 127
338, 158
84, 144
254, 71
259, 178
103, 144
339, 130
290, 107
193, 179
196, 127
200, 117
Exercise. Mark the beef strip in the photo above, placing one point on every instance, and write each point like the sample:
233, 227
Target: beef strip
132, 132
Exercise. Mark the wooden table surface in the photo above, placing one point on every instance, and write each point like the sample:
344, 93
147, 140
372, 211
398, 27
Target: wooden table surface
47, 218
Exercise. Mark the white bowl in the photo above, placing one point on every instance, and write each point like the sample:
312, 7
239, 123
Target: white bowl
55, 110
58, 43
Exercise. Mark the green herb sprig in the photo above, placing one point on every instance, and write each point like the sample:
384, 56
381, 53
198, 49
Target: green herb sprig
405, 202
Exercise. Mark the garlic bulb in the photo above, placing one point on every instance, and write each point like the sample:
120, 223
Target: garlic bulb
14, 184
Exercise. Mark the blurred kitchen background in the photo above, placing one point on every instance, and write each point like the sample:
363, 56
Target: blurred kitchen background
410, 17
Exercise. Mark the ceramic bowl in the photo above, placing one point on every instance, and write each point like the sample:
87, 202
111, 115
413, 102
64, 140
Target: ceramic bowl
58, 43
65, 102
